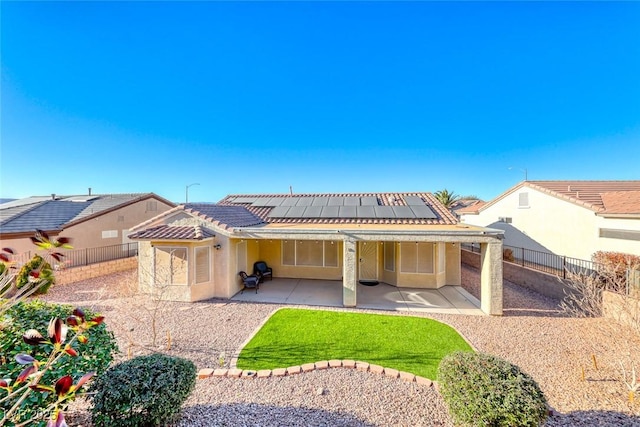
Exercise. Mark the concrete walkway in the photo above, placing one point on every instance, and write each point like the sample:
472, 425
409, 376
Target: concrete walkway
328, 293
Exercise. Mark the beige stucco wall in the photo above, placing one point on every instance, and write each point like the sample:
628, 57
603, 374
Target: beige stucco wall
559, 226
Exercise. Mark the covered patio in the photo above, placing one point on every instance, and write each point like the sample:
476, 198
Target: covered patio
328, 293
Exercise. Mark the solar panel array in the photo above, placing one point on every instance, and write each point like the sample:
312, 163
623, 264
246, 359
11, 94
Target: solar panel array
339, 207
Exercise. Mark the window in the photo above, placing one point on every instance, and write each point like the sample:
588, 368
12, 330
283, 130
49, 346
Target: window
505, 219
202, 265
523, 200
389, 256
310, 253
416, 257
109, 234
620, 234
152, 206
170, 266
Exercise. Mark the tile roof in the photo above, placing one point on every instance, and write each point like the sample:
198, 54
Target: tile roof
170, 232
471, 207
225, 216
442, 215
586, 193
621, 202
56, 212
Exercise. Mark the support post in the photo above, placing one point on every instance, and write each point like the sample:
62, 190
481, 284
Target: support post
491, 277
349, 274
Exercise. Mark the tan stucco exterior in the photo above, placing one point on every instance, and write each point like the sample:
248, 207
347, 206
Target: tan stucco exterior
88, 232
240, 248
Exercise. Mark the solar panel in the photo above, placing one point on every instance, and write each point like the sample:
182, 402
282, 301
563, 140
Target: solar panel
279, 211
365, 212
347, 212
352, 201
384, 212
304, 201
295, 212
289, 201
423, 212
329, 212
244, 200
312, 212
320, 201
336, 201
268, 201
403, 212
414, 200
369, 201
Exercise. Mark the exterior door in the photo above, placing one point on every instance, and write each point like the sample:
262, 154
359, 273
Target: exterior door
368, 257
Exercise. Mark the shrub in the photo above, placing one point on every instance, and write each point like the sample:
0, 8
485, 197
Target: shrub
613, 269
507, 255
482, 390
143, 391
36, 273
94, 355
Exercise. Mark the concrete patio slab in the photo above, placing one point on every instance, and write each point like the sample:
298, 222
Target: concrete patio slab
328, 293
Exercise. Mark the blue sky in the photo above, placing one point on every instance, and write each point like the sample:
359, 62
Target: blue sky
254, 97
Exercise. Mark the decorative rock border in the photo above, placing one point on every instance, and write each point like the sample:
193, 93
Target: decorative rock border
317, 366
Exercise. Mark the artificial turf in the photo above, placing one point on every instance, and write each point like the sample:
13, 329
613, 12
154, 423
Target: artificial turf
293, 337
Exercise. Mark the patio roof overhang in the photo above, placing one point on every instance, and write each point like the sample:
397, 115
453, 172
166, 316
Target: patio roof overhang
380, 232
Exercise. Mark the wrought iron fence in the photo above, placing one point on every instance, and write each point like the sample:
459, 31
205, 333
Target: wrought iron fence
83, 257
560, 265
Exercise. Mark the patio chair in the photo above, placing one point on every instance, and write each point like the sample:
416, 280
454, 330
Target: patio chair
249, 282
262, 270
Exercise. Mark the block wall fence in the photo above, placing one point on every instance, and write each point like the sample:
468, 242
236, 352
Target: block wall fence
76, 274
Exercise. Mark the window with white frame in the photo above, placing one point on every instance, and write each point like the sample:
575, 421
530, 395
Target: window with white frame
416, 257
170, 265
203, 268
310, 253
389, 256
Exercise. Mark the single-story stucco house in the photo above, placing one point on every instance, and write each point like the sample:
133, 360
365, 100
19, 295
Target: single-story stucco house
403, 239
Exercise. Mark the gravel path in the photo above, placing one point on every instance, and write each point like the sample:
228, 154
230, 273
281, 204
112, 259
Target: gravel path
533, 334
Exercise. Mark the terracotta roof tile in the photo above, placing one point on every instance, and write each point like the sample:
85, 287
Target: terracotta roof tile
586, 193
170, 232
621, 202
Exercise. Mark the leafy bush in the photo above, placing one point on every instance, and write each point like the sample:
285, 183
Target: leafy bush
143, 391
507, 255
482, 390
36, 272
93, 355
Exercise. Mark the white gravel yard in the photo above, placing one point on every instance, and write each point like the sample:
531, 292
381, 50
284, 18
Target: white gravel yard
532, 334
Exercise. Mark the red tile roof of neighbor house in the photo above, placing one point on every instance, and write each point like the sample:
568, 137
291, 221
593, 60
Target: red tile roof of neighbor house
587, 193
472, 207
442, 216
602, 197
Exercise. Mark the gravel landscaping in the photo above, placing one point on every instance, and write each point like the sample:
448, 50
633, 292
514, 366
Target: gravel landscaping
532, 334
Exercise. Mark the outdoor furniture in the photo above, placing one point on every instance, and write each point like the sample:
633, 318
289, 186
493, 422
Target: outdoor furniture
262, 270
249, 282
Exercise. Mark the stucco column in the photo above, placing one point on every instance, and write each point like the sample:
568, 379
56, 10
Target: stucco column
349, 274
491, 277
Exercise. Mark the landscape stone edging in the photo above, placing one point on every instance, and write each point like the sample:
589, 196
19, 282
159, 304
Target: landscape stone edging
317, 366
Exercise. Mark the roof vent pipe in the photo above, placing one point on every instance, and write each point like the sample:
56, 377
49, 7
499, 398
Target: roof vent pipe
53, 196
89, 190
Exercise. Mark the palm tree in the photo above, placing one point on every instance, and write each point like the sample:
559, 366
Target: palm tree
446, 197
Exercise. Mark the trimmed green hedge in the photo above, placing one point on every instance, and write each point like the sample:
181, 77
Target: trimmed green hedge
483, 390
144, 391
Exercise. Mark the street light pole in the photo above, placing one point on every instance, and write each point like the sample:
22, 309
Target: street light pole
526, 177
186, 191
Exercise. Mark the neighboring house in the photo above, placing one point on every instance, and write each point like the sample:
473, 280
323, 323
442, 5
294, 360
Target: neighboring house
570, 218
90, 220
465, 205
403, 239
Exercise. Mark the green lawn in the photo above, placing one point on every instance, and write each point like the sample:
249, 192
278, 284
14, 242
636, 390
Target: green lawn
295, 336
